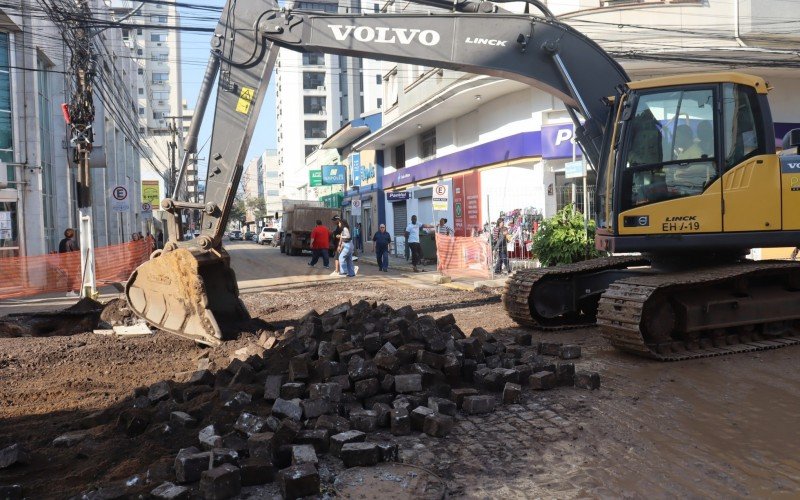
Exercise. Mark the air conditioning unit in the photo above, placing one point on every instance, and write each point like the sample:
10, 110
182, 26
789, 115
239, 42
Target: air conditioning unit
161, 102
321, 87
322, 112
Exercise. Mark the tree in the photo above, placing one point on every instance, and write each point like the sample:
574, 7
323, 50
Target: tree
564, 238
238, 211
258, 207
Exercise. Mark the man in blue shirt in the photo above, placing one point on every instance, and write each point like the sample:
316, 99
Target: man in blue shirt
383, 241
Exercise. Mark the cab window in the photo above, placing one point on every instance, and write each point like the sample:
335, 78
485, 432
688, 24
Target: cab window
744, 135
670, 148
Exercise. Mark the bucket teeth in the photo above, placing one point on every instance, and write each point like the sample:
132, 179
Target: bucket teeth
186, 293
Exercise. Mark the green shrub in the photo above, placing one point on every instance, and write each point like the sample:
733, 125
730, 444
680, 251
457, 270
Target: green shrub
563, 239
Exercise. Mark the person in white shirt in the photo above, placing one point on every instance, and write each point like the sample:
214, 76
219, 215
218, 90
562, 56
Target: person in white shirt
346, 250
412, 239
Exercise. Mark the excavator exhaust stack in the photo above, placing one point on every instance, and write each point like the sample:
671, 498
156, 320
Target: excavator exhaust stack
188, 293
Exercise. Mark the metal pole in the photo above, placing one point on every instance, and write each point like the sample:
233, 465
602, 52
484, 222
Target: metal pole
212, 68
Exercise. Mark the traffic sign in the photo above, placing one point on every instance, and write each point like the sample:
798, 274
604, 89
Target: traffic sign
147, 211
119, 199
441, 196
355, 207
574, 169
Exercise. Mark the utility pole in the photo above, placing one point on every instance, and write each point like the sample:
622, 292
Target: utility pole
79, 113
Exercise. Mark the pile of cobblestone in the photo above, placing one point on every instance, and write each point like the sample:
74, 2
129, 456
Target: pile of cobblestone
341, 384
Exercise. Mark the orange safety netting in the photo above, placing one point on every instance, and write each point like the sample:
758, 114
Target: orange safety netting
463, 256
61, 272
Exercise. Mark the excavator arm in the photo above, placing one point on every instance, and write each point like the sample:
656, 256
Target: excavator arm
189, 289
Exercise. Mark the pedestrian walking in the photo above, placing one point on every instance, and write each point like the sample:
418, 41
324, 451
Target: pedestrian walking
412, 241
346, 251
336, 236
320, 241
151, 242
160, 239
68, 244
383, 243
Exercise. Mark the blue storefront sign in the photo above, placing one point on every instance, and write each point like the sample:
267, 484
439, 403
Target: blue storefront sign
355, 169
557, 141
333, 175
393, 196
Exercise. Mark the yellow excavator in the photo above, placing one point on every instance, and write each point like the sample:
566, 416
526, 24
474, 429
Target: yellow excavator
688, 179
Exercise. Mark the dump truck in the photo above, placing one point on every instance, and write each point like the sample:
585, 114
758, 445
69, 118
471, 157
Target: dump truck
299, 218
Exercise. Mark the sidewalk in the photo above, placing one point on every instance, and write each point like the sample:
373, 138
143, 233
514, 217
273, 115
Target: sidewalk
430, 274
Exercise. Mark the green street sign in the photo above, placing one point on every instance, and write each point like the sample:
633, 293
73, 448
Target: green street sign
314, 178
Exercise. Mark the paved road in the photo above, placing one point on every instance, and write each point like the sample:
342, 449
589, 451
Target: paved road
256, 264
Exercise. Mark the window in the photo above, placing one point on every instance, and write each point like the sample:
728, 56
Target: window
158, 115
378, 80
159, 57
670, 146
160, 77
139, 31
380, 102
309, 150
427, 143
158, 19
316, 129
160, 96
400, 156
376, 8
140, 71
274, 173
139, 52
126, 34
313, 59
314, 105
141, 111
273, 192
6, 135
158, 37
313, 81
141, 91
742, 129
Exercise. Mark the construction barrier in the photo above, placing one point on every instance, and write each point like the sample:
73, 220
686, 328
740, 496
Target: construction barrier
458, 256
61, 272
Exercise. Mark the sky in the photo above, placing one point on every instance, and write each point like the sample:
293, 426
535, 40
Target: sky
195, 51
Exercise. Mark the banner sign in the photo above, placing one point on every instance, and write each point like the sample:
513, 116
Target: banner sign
314, 178
557, 141
333, 175
151, 193
393, 196
355, 169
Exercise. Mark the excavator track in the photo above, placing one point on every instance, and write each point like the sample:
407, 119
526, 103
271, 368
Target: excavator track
637, 314
521, 287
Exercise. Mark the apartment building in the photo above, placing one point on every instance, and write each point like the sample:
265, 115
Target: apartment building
502, 147
163, 114
37, 177
316, 95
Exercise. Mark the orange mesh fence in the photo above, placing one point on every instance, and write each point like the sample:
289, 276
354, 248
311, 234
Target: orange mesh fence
61, 272
463, 257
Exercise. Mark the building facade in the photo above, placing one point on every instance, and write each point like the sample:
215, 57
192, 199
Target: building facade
329, 90
163, 117
503, 148
38, 177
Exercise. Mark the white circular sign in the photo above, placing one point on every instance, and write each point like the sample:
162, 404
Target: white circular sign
120, 193
440, 190
146, 207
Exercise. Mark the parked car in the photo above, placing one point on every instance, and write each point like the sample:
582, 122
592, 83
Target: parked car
267, 235
248, 236
235, 235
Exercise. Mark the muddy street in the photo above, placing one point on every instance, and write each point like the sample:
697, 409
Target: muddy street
720, 427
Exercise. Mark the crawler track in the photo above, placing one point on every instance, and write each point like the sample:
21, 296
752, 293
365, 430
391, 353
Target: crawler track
520, 288
628, 311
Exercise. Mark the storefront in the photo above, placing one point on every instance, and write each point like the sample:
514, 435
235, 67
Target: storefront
363, 202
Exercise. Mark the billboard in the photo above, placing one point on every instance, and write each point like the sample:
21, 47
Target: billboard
314, 178
355, 169
333, 175
151, 193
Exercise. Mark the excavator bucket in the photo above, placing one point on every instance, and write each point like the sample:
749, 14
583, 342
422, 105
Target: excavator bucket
187, 293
